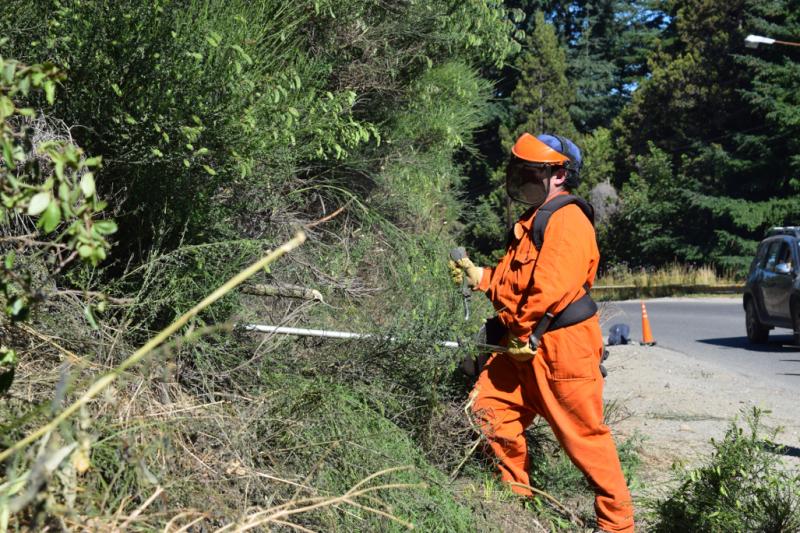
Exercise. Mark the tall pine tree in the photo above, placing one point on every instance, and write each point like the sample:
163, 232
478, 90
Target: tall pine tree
538, 103
727, 118
608, 58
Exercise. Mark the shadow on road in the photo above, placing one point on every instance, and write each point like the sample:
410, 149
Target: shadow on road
782, 449
775, 345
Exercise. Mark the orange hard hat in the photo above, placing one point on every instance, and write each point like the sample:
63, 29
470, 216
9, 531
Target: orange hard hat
529, 148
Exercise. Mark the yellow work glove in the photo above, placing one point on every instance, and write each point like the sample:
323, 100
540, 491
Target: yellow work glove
464, 266
521, 351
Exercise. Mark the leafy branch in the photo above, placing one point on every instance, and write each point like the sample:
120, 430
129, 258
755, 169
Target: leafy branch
47, 181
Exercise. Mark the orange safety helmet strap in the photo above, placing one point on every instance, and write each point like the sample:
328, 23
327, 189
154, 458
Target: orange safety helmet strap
529, 148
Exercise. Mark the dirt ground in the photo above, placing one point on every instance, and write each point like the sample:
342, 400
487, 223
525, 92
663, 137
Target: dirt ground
678, 404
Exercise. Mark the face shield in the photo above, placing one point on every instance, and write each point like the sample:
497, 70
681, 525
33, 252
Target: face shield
527, 182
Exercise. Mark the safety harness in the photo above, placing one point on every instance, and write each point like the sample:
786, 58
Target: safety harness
580, 309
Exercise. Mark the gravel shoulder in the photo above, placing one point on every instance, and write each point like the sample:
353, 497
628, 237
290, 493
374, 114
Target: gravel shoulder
678, 404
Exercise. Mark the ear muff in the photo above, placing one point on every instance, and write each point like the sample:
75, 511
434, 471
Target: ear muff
569, 165
573, 168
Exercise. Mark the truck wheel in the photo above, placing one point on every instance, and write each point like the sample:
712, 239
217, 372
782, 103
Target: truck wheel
757, 333
796, 324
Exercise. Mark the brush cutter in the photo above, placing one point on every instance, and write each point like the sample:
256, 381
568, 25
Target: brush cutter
471, 364
331, 334
486, 341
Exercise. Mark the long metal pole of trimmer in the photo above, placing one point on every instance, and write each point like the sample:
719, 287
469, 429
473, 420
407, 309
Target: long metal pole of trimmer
331, 334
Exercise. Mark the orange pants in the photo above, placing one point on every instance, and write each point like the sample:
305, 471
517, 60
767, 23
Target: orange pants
563, 384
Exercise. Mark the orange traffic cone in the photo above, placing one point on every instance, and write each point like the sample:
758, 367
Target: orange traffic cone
647, 335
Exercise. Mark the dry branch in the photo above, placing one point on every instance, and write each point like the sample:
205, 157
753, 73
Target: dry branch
279, 514
284, 291
106, 380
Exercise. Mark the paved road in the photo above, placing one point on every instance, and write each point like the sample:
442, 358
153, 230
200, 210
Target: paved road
712, 329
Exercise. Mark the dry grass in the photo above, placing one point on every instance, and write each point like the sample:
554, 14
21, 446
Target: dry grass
63, 448
621, 282
670, 274
282, 514
103, 382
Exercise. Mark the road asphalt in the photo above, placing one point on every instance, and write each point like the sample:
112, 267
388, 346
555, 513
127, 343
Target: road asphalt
711, 329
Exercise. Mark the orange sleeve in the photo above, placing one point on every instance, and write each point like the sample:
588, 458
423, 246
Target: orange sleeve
486, 278
565, 263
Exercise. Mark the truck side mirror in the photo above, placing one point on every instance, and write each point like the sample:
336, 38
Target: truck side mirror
783, 268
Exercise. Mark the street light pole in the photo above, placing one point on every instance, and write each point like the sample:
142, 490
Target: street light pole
752, 41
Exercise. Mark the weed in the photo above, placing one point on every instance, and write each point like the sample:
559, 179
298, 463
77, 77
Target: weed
742, 488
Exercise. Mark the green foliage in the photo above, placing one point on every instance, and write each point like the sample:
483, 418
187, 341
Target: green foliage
195, 99
488, 222
48, 181
340, 439
607, 44
8, 362
743, 487
221, 126
482, 29
734, 217
608, 49
598, 160
651, 222
474, 30
447, 100
541, 99
735, 164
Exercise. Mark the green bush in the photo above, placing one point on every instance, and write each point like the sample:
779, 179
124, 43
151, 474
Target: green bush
744, 487
339, 438
222, 125
191, 104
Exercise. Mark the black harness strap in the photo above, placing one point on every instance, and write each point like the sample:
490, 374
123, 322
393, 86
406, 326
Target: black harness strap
582, 308
544, 212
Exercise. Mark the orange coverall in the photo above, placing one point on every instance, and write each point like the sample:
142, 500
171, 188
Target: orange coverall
562, 383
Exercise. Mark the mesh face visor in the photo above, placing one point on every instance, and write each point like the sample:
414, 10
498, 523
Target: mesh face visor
525, 181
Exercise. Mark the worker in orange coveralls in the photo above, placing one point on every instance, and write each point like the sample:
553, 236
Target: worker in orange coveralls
552, 366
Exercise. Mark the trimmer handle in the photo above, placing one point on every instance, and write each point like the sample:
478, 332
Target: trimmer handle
459, 253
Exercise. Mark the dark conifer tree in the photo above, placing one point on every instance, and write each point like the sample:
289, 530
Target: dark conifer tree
726, 117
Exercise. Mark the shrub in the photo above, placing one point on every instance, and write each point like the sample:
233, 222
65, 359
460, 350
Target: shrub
743, 487
223, 124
